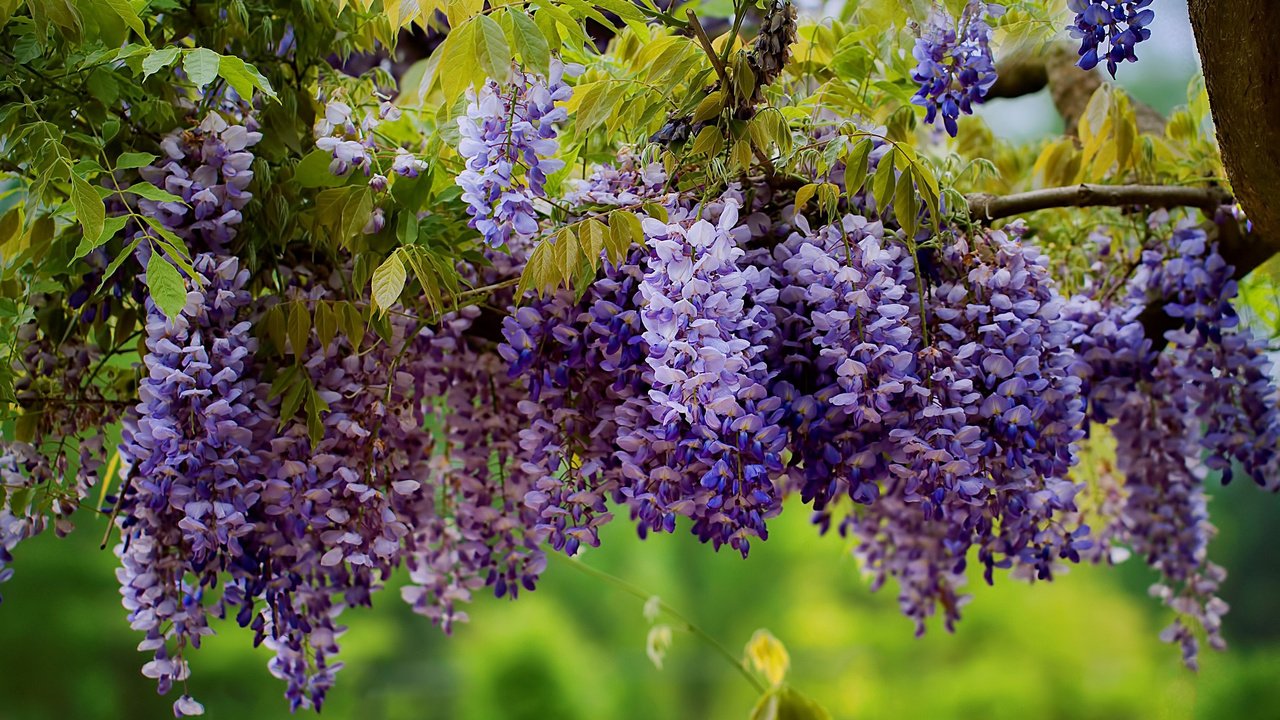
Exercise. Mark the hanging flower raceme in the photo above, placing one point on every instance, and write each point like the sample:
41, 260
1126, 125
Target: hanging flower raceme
189, 488
861, 322
955, 67
508, 144
1205, 403
208, 167
713, 444
1110, 30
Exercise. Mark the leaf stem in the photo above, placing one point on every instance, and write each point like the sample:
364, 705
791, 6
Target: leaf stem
671, 612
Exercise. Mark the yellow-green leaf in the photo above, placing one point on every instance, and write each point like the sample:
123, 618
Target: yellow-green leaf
567, 254
243, 77
709, 141
388, 282
856, 164
710, 106
326, 322
592, 235
458, 59
158, 60
529, 41
804, 195
492, 52
298, 328
906, 206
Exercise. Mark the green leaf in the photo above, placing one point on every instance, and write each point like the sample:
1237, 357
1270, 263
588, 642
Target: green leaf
167, 287
709, 107
906, 205
529, 41
315, 423
125, 10
201, 66
90, 210
592, 236
294, 394
388, 282
133, 160
784, 703
804, 195
856, 164
326, 321
458, 57
567, 254
118, 260
158, 60
624, 229
110, 227
243, 77
273, 323
298, 327
7, 7
492, 52
151, 192
539, 272
709, 142
655, 211
313, 171
882, 183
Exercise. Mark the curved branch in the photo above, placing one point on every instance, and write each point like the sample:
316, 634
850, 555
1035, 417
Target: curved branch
987, 207
1069, 86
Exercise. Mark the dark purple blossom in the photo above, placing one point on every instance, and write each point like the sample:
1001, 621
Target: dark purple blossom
955, 67
1110, 30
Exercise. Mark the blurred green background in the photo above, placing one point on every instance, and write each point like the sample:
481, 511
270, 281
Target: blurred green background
1084, 646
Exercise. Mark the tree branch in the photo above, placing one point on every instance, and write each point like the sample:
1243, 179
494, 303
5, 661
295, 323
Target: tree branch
1069, 86
708, 48
987, 207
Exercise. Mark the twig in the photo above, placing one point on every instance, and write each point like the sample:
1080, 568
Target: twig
668, 610
705, 41
986, 207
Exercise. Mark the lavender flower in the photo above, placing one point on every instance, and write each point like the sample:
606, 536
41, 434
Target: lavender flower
209, 168
510, 128
189, 488
719, 429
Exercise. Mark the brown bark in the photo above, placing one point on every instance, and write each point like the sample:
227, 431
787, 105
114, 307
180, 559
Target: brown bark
1069, 86
1241, 61
986, 207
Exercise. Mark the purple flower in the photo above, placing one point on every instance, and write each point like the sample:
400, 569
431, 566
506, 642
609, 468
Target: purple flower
209, 167
508, 137
955, 67
1110, 30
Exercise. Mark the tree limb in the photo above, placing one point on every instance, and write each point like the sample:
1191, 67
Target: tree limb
1241, 62
1069, 86
987, 207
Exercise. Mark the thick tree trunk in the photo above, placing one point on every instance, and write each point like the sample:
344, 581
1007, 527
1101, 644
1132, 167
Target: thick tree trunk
1241, 60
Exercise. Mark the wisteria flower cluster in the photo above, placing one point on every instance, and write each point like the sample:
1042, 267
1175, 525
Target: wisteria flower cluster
353, 146
209, 168
509, 143
955, 66
1110, 30
345, 346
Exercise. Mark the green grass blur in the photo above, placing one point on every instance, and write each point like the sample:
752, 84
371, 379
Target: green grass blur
1083, 646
